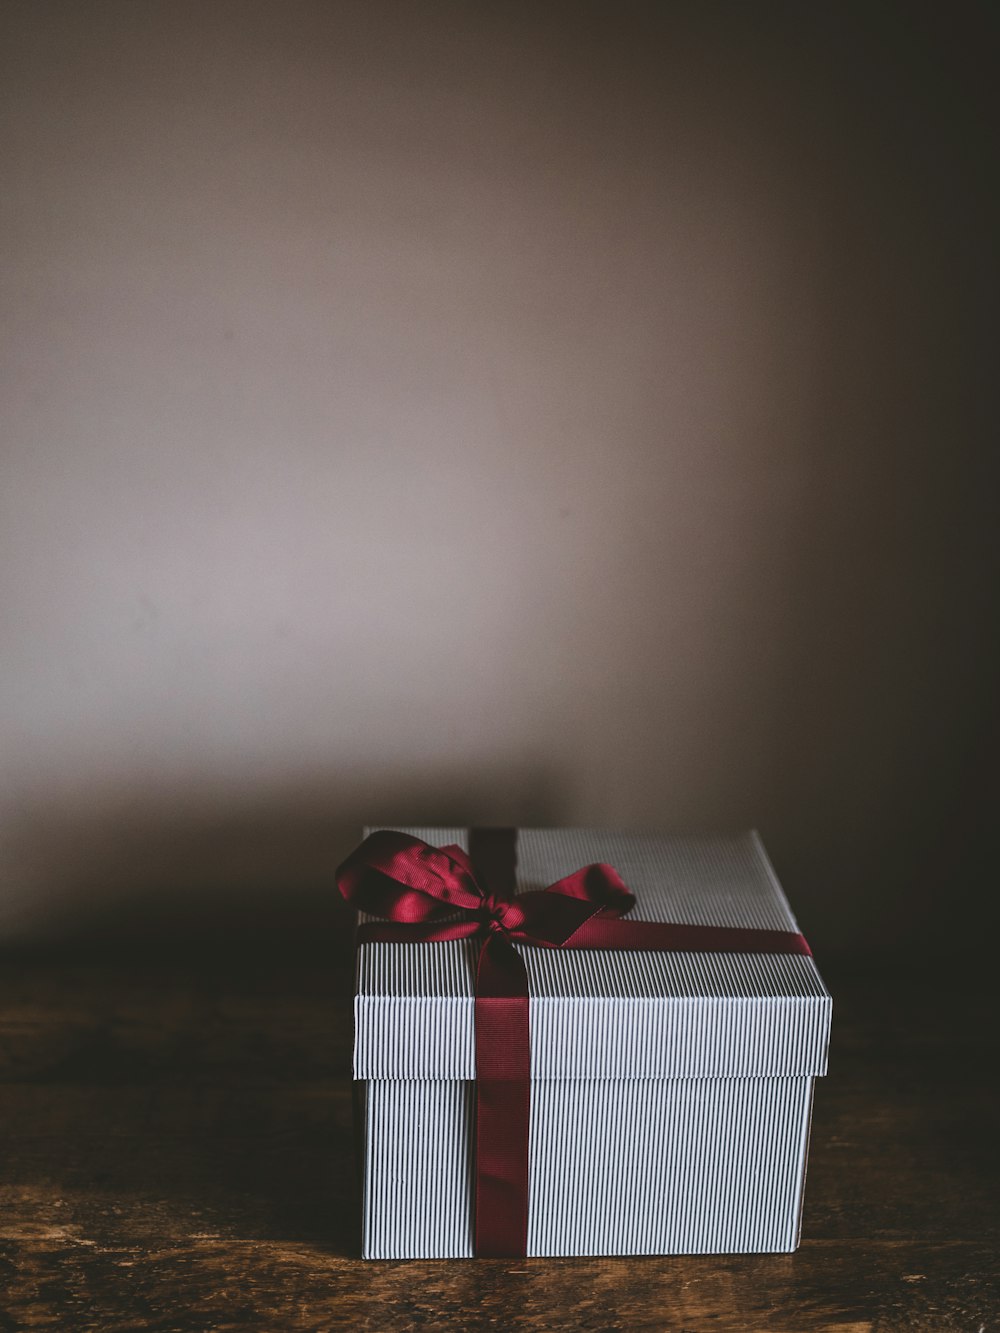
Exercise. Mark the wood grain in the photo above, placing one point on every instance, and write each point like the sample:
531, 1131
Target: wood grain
177, 1157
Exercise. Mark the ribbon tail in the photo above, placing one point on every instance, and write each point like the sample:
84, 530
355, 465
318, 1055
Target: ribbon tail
503, 1102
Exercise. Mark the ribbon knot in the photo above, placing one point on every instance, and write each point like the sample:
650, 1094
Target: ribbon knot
427, 894
503, 914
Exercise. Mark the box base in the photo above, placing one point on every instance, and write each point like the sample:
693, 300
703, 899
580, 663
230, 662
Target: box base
617, 1167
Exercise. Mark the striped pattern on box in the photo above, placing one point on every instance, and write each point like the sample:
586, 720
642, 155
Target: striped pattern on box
671, 1093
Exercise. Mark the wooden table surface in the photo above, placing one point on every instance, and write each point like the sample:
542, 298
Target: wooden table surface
177, 1156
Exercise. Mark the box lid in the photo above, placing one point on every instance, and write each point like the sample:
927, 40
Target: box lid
612, 1014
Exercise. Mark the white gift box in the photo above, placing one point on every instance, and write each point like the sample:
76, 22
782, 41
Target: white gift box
671, 1093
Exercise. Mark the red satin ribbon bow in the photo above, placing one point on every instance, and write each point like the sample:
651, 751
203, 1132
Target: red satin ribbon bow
430, 894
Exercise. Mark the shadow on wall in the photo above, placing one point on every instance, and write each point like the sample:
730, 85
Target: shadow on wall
237, 881
234, 879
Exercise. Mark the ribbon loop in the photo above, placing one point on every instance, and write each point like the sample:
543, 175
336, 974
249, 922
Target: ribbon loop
405, 879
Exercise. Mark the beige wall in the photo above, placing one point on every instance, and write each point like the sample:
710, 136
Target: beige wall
476, 413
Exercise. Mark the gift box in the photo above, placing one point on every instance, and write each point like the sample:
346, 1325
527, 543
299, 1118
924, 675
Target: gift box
637, 1083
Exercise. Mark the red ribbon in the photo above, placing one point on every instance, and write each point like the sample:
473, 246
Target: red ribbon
428, 894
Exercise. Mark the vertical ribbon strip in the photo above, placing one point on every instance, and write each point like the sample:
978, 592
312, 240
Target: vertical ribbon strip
428, 894
502, 1114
